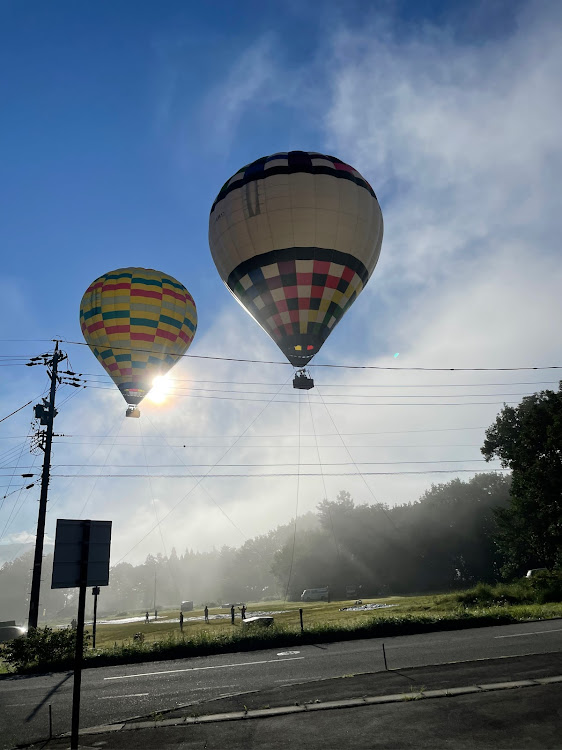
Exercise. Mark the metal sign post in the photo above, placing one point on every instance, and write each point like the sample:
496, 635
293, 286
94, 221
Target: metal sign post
95, 594
79, 653
81, 559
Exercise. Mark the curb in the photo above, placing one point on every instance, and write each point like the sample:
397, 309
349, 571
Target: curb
264, 713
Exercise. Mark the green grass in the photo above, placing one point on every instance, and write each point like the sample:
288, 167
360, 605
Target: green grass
322, 623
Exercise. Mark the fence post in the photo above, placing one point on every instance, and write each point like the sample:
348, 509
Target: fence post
302, 624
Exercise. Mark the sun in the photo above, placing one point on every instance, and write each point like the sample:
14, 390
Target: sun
160, 389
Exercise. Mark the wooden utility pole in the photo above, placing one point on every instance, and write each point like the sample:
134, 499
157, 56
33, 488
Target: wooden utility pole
46, 413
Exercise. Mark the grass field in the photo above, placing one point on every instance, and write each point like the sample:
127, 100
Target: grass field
315, 615
323, 622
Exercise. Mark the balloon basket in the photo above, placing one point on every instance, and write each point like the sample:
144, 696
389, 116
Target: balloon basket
302, 381
132, 411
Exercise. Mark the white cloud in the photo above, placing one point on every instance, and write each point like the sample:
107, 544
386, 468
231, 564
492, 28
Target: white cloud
255, 81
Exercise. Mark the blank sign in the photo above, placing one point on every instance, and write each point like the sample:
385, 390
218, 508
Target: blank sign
69, 542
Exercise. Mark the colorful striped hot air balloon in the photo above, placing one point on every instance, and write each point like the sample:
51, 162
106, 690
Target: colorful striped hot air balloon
295, 237
137, 322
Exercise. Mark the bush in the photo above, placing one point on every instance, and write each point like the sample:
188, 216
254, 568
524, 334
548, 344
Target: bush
546, 586
541, 588
42, 648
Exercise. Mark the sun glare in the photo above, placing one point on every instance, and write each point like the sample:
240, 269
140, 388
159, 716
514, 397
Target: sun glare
160, 389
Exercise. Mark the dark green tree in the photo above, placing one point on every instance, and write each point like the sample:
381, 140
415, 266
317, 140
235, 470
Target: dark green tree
528, 440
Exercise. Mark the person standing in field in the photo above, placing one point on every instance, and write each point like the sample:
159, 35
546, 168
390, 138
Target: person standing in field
146, 618
206, 611
243, 611
181, 621
232, 614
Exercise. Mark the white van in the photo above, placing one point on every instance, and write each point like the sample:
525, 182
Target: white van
316, 595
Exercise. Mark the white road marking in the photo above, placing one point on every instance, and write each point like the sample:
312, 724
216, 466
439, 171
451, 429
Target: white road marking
534, 632
111, 697
200, 669
287, 653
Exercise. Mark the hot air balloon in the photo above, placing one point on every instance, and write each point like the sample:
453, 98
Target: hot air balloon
295, 237
137, 322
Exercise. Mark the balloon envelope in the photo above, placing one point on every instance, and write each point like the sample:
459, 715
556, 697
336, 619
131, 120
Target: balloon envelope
295, 237
137, 322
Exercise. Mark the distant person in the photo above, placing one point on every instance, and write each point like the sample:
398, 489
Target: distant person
74, 624
232, 614
243, 611
181, 621
146, 618
206, 611
155, 614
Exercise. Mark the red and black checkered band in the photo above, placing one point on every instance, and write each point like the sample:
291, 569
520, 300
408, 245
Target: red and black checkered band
298, 295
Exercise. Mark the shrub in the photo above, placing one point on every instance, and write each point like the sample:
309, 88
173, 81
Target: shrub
546, 586
42, 648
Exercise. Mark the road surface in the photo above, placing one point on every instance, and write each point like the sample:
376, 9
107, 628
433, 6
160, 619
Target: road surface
116, 693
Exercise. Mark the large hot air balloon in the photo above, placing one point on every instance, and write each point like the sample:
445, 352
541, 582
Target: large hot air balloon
137, 322
295, 237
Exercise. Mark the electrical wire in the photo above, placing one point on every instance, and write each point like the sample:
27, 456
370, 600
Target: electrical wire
259, 466
333, 403
262, 475
332, 385
347, 367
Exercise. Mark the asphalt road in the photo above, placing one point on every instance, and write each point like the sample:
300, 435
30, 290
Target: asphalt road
116, 693
528, 719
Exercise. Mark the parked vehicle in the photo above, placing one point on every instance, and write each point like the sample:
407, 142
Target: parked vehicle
535, 571
316, 595
9, 630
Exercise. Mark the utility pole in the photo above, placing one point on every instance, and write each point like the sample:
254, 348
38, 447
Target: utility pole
46, 414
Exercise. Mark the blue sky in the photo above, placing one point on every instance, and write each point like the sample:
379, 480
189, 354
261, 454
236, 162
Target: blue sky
121, 121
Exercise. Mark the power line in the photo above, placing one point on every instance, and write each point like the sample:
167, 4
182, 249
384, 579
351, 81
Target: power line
291, 447
263, 475
259, 436
179, 391
258, 465
347, 367
16, 411
330, 403
332, 385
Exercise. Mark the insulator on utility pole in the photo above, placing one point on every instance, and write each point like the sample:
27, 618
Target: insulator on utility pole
46, 414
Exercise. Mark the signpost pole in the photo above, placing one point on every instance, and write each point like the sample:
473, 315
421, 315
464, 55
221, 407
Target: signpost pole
95, 592
80, 636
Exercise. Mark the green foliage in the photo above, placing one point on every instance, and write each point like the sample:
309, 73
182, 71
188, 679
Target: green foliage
546, 586
42, 648
540, 589
528, 440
